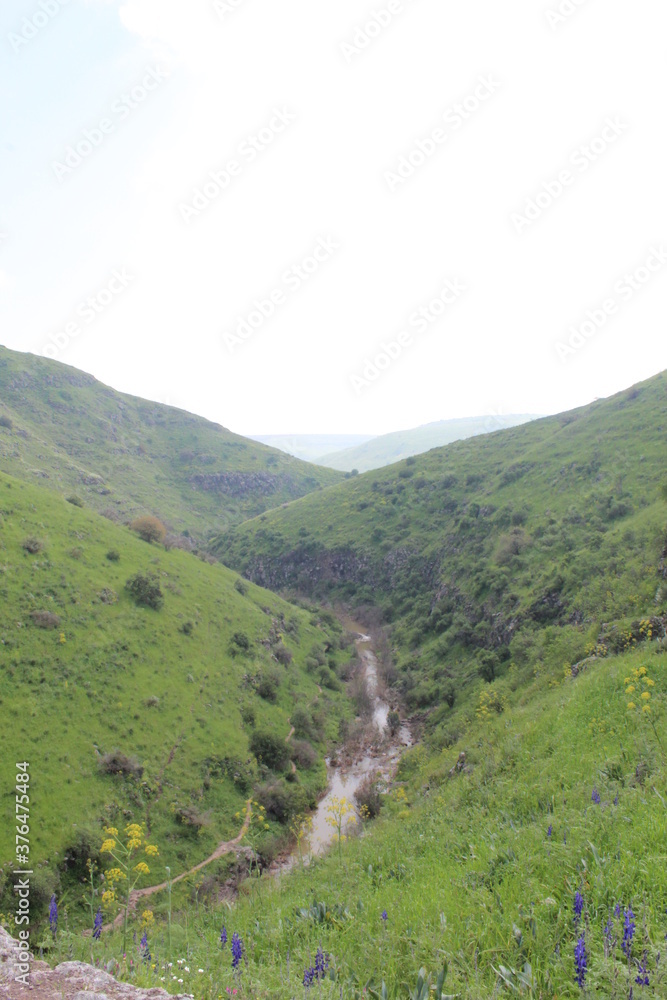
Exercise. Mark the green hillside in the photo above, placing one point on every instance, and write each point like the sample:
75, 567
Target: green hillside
147, 712
390, 448
62, 429
534, 545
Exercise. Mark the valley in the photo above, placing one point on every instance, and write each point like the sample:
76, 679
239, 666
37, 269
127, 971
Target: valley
410, 721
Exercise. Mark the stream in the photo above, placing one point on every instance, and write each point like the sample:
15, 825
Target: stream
378, 752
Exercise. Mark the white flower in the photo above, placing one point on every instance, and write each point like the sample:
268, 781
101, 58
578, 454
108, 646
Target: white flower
200, 970
187, 968
180, 980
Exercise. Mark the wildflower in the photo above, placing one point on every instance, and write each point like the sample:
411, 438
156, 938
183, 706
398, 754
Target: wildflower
616, 799
628, 931
108, 846
646, 695
642, 977
151, 850
144, 947
595, 797
53, 915
237, 950
321, 963
608, 932
142, 868
550, 830
384, 916
580, 961
223, 937
631, 705
617, 910
308, 976
97, 925
578, 907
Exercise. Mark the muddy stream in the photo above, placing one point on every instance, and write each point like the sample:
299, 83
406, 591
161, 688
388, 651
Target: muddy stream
377, 752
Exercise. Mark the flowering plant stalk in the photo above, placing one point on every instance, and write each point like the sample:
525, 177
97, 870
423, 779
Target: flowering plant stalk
129, 870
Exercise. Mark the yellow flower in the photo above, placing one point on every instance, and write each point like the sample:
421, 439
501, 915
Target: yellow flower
108, 846
111, 830
108, 897
646, 696
142, 868
631, 705
650, 682
133, 843
147, 919
151, 850
630, 689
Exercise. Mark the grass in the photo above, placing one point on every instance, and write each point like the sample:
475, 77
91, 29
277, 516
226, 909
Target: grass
477, 870
61, 429
87, 672
530, 545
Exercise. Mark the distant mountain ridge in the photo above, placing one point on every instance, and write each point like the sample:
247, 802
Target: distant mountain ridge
389, 448
310, 447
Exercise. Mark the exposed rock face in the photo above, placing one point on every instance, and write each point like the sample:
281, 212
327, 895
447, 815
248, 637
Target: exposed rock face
238, 484
68, 981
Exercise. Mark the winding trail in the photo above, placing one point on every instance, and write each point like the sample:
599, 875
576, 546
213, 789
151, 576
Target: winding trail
225, 847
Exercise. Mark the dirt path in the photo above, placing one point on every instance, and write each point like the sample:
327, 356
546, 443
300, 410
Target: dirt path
224, 848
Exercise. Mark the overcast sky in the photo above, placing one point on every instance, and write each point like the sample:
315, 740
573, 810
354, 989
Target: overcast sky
309, 216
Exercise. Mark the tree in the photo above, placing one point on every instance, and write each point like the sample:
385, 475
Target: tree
151, 529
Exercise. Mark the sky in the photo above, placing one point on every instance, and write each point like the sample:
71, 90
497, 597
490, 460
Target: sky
337, 217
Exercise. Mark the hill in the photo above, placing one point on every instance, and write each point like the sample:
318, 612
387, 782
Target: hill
390, 448
167, 703
310, 447
125, 456
534, 545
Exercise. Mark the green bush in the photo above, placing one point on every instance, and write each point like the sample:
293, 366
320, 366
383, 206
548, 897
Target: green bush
146, 591
269, 749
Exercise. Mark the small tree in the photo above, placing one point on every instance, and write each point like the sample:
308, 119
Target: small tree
146, 590
151, 529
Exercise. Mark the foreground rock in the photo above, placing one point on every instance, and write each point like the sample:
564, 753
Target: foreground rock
68, 981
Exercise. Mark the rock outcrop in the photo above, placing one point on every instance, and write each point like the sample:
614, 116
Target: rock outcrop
68, 981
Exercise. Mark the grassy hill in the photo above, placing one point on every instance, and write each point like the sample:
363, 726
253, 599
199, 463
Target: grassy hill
535, 545
390, 448
472, 867
125, 456
147, 712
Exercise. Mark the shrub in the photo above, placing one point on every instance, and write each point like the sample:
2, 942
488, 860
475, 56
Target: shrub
75, 501
153, 701
393, 722
6, 422
149, 528
45, 619
368, 796
241, 586
239, 642
113, 555
32, 545
282, 654
267, 686
269, 749
248, 715
281, 800
191, 817
118, 763
187, 628
146, 591
303, 723
303, 754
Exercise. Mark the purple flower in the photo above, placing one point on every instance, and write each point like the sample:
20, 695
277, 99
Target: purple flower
550, 830
144, 947
321, 963
617, 910
53, 915
642, 978
628, 931
97, 925
616, 799
580, 961
237, 950
223, 937
578, 907
384, 916
308, 976
596, 797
